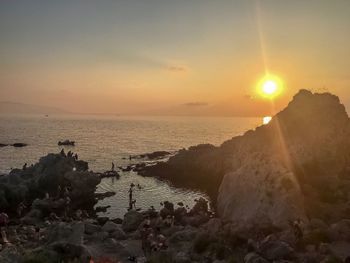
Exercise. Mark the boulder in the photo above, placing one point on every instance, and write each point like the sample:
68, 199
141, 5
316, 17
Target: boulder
91, 228
254, 194
44, 177
118, 234
254, 258
340, 231
110, 226
132, 220
33, 217
276, 250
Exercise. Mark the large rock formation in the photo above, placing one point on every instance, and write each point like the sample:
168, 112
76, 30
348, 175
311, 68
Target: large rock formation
44, 177
305, 146
297, 166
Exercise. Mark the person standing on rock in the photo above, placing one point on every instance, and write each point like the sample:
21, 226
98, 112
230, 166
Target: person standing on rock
112, 167
67, 207
24, 167
298, 233
4, 219
20, 209
63, 154
130, 196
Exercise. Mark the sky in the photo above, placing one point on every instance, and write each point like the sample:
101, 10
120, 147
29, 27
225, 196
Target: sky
171, 57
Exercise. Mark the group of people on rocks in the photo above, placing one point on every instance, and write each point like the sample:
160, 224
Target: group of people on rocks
151, 237
69, 154
66, 214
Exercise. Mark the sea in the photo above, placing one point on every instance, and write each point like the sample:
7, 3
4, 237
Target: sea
101, 140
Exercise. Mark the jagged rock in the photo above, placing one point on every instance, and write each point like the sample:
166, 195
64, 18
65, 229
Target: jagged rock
100, 236
201, 206
45, 177
102, 220
109, 226
132, 220
91, 228
213, 226
10, 254
34, 217
187, 234
276, 250
254, 258
340, 230
118, 234
182, 257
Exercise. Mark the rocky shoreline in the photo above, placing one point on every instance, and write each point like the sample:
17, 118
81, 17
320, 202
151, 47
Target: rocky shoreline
280, 191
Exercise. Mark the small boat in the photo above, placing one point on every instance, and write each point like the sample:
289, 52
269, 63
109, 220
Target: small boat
66, 142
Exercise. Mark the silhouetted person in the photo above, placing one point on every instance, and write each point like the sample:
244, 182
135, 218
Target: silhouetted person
24, 166
76, 156
63, 153
130, 157
4, 219
20, 209
298, 233
130, 196
66, 192
59, 192
69, 154
112, 166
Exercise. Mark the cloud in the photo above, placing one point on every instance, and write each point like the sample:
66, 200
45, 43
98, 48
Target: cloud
196, 104
176, 68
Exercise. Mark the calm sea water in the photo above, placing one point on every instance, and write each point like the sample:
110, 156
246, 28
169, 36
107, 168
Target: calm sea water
101, 140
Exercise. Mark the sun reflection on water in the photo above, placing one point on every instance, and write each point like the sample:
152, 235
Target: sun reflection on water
266, 119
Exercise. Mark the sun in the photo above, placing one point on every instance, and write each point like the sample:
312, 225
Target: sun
270, 86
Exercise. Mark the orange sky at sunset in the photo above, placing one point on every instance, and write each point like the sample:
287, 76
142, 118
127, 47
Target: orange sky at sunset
171, 58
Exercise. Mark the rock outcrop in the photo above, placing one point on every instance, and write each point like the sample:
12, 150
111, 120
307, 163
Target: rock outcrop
304, 146
297, 166
53, 170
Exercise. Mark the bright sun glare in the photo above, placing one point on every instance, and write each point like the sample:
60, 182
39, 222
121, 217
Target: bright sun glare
270, 86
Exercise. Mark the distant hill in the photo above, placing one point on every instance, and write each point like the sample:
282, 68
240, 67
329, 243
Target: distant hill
8, 107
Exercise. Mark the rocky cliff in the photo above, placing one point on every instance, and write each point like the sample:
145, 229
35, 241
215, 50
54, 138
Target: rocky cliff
297, 166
